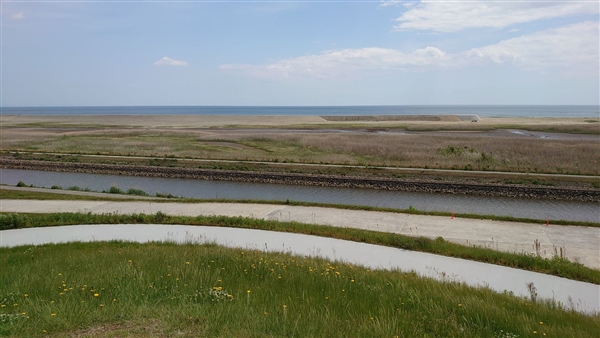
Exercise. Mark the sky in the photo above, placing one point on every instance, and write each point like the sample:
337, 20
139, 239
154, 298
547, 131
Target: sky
299, 53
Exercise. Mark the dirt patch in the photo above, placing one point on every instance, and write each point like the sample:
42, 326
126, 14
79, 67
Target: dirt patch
150, 328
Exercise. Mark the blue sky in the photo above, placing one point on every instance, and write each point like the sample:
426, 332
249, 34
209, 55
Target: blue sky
299, 53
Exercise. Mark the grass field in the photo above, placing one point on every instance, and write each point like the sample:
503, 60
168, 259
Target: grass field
163, 290
444, 145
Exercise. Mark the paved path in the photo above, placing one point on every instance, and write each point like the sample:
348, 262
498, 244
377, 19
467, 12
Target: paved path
578, 243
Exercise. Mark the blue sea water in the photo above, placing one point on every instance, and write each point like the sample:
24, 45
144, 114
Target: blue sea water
592, 111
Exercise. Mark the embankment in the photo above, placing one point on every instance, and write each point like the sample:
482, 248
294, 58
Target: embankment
587, 195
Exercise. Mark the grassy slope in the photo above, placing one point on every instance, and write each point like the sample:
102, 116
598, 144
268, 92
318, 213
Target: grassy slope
162, 290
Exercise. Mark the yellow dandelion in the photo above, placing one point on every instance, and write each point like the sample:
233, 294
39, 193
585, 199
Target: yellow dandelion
53, 315
284, 306
26, 295
534, 332
101, 305
248, 291
3, 305
187, 263
541, 323
96, 295
459, 304
44, 331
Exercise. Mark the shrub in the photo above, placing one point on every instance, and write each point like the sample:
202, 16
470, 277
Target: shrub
115, 190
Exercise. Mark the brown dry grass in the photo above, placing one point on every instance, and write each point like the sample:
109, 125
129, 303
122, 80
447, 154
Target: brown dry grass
476, 151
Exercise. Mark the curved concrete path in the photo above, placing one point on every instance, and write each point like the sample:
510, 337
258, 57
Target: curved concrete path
583, 297
581, 244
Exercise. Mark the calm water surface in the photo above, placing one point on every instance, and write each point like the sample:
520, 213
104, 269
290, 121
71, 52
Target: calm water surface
481, 110
527, 208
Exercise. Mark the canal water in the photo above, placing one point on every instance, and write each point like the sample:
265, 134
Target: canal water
483, 205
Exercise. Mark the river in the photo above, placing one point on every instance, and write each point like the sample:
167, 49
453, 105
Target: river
500, 206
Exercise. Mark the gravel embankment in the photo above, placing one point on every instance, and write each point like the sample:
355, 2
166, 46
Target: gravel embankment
590, 195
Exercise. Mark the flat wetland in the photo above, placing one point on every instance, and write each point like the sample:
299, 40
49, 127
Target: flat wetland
521, 145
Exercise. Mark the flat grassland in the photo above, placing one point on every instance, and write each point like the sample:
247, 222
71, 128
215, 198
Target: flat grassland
526, 145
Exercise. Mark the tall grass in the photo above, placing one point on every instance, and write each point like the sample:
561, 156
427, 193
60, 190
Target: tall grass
487, 152
163, 290
557, 266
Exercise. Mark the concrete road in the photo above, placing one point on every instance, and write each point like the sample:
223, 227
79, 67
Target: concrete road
578, 243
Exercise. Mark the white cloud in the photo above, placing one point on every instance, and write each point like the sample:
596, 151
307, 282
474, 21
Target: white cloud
571, 48
339, 63
452, 16
167, 61
19, 16
387, 3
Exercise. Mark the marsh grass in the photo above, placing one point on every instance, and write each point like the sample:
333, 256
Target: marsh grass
206, 290
486, 152
557, 266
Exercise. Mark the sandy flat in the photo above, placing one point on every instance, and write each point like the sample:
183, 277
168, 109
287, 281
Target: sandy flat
208, 121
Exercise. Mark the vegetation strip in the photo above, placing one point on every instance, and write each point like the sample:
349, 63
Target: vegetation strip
162, 290
310, 180
556, 266
167, 198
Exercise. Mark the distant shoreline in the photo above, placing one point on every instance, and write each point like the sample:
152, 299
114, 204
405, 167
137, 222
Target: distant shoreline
496, 111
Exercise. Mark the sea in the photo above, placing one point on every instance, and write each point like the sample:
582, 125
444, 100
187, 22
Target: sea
580, 111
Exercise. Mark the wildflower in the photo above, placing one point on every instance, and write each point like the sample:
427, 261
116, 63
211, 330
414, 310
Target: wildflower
541, 323
44, 331
3, 305
53, 315
96, 295
284, 306
248, 291
26, 295
187, 263
101, 305
459, 304
534, 332
266, 314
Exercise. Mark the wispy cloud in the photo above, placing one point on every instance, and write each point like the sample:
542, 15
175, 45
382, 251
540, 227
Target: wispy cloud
167, 61
455, 16
18, 16
340, 63
571, 48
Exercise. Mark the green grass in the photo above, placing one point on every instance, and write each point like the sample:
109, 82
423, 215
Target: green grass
556, 266
160, 289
